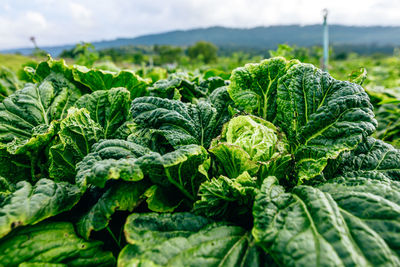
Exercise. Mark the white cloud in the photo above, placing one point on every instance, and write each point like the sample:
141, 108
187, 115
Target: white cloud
81, 14
34, 20
57, 22
6, 7
17, 30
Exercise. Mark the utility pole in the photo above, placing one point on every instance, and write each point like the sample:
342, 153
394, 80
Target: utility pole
325, 41
33, 40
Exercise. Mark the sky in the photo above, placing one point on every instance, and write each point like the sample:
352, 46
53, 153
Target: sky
57, 22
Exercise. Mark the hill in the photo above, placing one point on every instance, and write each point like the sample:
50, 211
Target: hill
253, 38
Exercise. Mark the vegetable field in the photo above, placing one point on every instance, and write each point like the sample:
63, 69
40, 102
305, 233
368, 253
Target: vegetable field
278, 164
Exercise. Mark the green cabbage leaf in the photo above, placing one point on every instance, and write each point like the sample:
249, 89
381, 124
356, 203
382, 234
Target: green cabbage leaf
183, 239
52, 243
345, 221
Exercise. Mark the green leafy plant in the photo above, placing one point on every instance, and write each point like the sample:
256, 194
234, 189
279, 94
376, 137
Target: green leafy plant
275, 167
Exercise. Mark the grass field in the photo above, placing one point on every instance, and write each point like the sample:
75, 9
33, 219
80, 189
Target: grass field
14, 62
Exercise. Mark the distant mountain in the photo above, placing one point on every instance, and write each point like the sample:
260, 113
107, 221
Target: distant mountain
254, 38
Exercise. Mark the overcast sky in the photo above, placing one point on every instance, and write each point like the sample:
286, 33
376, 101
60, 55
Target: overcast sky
56, 22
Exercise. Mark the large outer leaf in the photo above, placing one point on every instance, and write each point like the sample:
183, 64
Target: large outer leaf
52, 242
111, 159
373, 206
371, 158
118, 159
26, 116
346, 222
254, 86
321, 116
109, 108
150, 228
120, 196
31, 204
182, 239
178, 169
180, 123
47, 68
104, 80
78, 132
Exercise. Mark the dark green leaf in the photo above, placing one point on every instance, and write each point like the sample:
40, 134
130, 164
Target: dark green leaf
26, 117
321, 116
371, 158
52, 242
254, 86
15, 167
178, 169
161, 199
180, 123
31, 204
111, 159
341, 223
108, 108
182, 239
149, 228
120, 196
